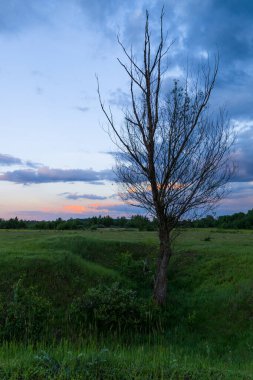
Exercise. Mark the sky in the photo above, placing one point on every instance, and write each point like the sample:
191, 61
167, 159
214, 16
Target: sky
55, 154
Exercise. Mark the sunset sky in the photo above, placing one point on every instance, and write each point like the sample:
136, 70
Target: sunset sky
55, 156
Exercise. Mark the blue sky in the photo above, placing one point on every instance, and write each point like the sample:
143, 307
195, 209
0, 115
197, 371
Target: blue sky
54, 152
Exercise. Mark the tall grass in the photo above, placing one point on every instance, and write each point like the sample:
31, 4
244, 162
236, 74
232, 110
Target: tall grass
98, 361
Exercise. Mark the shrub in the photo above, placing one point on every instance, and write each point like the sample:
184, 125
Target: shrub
26, 316
114, 308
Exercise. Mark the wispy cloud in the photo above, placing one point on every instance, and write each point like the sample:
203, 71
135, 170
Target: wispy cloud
47, 175
119, 98
8, 160
75, 196
82, 109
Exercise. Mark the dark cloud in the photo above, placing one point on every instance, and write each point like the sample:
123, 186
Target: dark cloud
223, 24
199, 28
75, 196
7, 160
47, 175
31, 164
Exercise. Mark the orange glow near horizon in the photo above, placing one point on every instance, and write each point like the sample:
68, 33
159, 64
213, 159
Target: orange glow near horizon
77, 209
97, 206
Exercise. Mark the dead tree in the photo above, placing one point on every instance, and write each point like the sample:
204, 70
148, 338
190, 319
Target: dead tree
173, 152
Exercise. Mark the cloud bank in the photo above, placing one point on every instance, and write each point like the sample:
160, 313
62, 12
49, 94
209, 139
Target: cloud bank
46, 175
7, 160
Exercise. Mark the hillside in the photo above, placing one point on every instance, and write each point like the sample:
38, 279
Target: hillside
205, 331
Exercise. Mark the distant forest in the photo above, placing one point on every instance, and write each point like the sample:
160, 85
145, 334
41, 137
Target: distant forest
236, 221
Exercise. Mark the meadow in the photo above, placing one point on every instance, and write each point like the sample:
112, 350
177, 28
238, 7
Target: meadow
77, 305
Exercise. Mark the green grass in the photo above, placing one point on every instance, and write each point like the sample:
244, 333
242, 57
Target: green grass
209, 329
161, 361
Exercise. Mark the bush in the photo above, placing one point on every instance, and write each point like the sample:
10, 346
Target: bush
138, 270
114, 308
26, 316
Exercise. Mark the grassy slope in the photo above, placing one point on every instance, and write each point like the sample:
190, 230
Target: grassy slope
58, 273
210, 292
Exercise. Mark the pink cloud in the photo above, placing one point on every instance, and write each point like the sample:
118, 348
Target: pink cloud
77, 209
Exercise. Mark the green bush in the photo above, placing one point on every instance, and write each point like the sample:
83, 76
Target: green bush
141, 271
114, 308
26, 316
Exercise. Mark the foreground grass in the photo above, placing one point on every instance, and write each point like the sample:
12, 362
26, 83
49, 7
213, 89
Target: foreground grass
209, 329
82, 361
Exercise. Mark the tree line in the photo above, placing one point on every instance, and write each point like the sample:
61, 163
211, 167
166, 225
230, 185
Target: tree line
139, 222
238, 220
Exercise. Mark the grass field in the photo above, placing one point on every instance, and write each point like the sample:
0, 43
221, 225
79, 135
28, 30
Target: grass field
207, 329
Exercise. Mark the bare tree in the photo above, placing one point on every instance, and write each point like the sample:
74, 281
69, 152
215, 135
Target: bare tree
173, 155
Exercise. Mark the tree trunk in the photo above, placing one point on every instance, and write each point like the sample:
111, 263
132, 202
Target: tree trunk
161, 280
